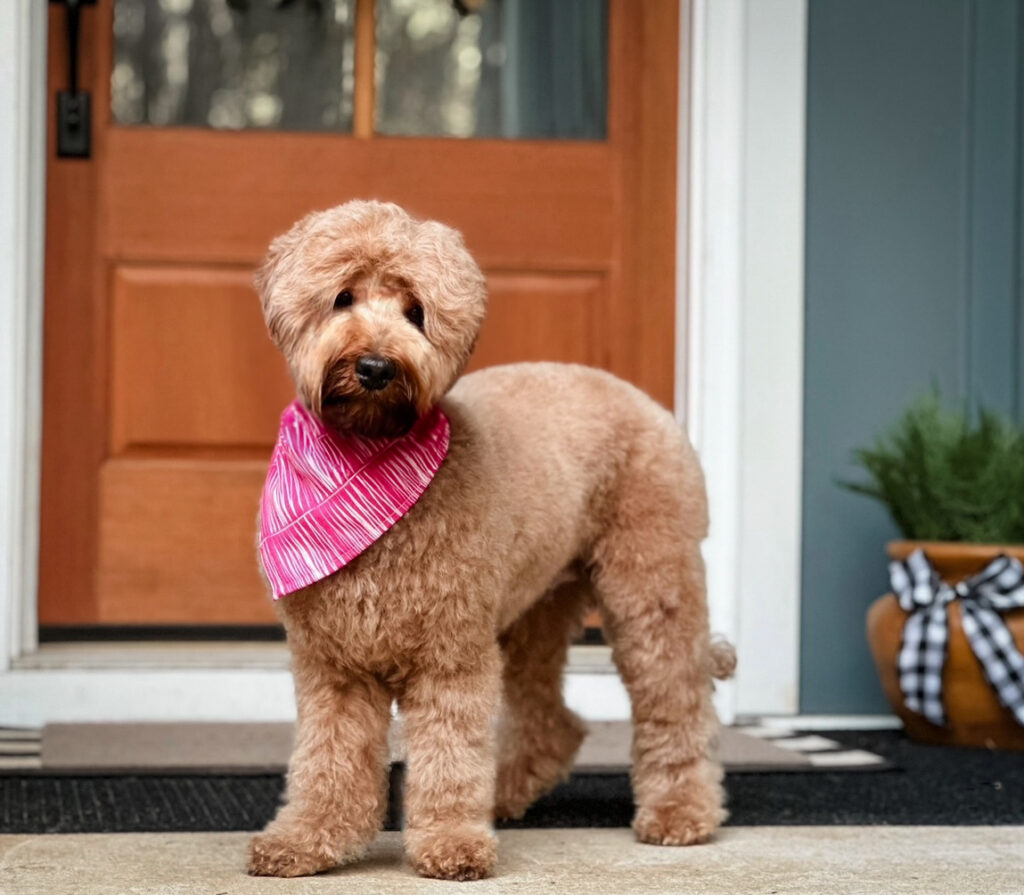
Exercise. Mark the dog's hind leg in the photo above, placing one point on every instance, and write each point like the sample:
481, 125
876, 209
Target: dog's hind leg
539, 735
650, 580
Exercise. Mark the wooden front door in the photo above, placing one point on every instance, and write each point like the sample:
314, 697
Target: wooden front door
162, 391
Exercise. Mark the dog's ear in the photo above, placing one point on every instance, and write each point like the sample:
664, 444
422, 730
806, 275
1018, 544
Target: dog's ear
263, 278
281, 249
450, 261
279, 260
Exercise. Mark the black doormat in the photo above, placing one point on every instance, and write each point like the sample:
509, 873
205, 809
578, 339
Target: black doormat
933, 785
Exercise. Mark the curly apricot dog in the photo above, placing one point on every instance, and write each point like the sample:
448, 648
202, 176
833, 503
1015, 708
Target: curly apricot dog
563, 487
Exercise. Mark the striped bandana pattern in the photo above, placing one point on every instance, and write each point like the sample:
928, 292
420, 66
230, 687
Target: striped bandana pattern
327, 498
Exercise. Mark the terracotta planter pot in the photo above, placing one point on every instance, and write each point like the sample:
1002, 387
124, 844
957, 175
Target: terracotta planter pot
974, 713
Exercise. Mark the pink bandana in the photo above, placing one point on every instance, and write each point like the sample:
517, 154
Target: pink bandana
327, 498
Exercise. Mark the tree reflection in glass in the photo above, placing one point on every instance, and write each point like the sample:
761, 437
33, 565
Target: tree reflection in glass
234, 63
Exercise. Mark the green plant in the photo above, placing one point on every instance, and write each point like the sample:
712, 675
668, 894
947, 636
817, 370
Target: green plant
944, 477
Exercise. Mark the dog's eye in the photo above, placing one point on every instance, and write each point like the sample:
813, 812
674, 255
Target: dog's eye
343, 300
415, 315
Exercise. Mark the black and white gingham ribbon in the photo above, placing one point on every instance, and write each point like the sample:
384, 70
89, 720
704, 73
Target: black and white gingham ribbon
997, 588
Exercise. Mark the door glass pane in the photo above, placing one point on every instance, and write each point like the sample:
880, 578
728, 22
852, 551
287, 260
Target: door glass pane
492, 68
285, 64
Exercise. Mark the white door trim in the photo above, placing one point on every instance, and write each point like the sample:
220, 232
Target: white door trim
739, 370
772, 376
23, 188
744, 338
710, 296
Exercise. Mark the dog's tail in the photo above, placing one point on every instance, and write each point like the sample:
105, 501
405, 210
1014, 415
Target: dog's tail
723, 659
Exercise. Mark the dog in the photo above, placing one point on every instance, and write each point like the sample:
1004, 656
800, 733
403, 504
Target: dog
561, 488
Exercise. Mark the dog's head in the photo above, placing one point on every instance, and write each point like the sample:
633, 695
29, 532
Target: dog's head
375, 311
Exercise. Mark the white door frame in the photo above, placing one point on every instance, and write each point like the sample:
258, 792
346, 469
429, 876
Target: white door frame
22, 202
739, 374
744, 185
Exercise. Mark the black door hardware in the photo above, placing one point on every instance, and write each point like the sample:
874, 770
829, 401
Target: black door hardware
74, 106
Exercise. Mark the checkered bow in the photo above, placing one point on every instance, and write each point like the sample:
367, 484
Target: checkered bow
998, 588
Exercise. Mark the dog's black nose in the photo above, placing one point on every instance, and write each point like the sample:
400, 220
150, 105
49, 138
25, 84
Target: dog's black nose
375, 372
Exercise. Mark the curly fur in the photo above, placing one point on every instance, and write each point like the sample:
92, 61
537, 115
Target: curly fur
563, 488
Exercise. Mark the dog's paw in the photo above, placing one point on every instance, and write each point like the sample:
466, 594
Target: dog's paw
272, 854
526, 776
454, 855
511, 807
516, 789
677, 823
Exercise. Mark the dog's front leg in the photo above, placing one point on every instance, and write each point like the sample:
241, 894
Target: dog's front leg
449, 794
336, 778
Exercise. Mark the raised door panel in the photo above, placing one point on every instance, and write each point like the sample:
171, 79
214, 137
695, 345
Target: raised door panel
178, 543
191, 362
192, 367
535, 316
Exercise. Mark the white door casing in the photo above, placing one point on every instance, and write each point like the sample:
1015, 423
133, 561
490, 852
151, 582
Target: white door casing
744, 373
22, 201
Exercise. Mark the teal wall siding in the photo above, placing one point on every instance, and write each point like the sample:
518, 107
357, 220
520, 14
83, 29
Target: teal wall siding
912, 274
